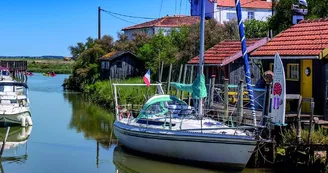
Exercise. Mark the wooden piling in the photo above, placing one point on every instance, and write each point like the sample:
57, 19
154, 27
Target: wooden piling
169, 81
299, 128
161, 72
208, 94
4, 141
190, 81
184, 78
240, 101
212, 91
226, 99
311, 120
179, 78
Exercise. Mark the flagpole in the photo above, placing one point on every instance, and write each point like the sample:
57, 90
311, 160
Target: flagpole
245, 57
201, 53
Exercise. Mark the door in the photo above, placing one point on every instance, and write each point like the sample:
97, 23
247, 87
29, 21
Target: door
306, 82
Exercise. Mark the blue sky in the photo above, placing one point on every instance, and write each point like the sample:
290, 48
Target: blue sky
48, 27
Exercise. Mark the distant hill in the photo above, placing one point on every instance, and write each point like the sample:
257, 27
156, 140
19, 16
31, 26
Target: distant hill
35, 57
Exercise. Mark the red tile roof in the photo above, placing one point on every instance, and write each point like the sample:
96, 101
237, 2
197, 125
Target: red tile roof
227, 51
261, 4
307, 38
167, 21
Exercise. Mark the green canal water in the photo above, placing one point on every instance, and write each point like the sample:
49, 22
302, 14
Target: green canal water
71, 135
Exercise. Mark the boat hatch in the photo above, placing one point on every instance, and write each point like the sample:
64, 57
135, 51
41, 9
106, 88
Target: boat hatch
155, 123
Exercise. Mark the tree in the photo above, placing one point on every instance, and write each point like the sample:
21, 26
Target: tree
106, 43
282, 19
256, 29
159, 49
317, 9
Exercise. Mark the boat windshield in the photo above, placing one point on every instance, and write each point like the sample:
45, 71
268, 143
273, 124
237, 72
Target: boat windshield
161, 105
5, 73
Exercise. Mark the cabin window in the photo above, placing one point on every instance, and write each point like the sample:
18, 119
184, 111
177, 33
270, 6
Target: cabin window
103, 64
250, 15
231, 16
292, 72
107, 65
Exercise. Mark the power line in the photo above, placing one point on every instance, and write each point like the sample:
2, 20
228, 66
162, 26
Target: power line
186, 6
175, 7
160, 9
124, 15
121, 18
180, 7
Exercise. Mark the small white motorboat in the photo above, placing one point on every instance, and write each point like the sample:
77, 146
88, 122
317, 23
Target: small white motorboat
14, 104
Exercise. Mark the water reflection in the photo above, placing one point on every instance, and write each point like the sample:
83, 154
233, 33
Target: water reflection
94, 121
15, 148
126, 161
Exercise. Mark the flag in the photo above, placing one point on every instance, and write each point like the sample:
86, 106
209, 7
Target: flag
146, 78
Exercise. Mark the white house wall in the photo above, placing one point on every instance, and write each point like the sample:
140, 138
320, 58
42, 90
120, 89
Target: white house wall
129, 33
259, 14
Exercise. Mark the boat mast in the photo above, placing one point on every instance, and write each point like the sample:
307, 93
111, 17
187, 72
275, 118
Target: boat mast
201, 53
245, 57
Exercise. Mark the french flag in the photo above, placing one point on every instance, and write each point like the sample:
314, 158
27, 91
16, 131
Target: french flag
146, 78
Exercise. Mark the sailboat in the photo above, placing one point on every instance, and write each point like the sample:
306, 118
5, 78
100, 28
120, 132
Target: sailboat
167, 126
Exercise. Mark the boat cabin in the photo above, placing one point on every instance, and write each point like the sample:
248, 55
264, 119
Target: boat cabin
303, 49
13, 94
4, 73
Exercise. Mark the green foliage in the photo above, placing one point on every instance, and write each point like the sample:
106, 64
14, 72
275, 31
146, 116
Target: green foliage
319, 136
317, 9
283, 15
160, 48
85, 70
256, 28
102, 92
282, 19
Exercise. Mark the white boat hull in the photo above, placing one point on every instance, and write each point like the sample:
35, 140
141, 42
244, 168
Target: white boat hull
221, 151
22, 117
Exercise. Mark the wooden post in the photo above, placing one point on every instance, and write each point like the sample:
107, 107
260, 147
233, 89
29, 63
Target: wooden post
226, 99
4, 141
240, 101
161, 72
169, 81
179, 79
299, 128
311, 119
190, 81
97, 155
184, 79
99, 23
208, 94
212, 91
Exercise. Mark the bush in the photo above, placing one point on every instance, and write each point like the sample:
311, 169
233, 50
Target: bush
102, 92
319, 136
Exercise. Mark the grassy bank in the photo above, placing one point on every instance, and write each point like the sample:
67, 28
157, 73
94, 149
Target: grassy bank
59, 66
102, 92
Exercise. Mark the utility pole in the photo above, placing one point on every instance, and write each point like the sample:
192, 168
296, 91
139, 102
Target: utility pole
99, 24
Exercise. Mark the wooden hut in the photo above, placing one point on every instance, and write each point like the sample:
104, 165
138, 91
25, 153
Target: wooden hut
225, 60
121, 65
303, 49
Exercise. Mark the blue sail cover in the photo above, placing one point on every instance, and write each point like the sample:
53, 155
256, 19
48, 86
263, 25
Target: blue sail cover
198, 88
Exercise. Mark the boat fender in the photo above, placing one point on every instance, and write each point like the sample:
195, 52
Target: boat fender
29, 121
23, 122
